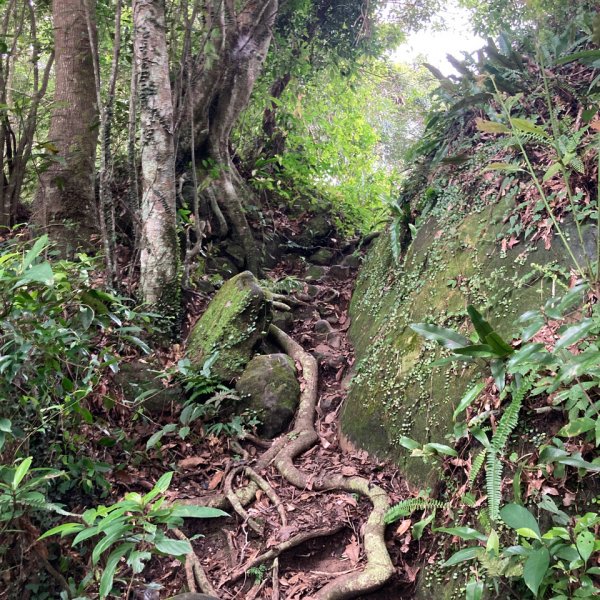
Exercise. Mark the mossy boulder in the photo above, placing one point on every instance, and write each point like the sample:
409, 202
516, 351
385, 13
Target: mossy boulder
456, 259
234, 322
270, 387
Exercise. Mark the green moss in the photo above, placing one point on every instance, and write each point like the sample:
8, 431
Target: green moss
236, 319
455, 260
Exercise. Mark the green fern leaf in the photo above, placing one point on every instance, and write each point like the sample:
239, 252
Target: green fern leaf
476, 466
409, 506
506, 426
493, 484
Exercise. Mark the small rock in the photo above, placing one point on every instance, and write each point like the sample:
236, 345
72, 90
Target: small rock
323, 327
329, 295
269, 386
284, 320
312, 291
315, 230
323, 256
315, 272
351, 261
339, 272
204, 286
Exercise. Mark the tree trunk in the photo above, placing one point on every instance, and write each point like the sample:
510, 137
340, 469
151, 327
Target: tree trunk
159, 284
221, 91
65, 205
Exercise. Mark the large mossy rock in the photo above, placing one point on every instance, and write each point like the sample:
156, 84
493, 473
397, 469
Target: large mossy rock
270, 387
455, 260
234, 322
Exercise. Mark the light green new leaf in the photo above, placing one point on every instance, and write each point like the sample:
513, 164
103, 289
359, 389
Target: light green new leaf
474, 590
41, 273
552, 170
574, 334
465, 533
197, 512
440, 449
419, 527
491, 126
34, 252
408, 443
136, 560
528, 127
20, 472
577, 427
535, 568
5, 425
64, 529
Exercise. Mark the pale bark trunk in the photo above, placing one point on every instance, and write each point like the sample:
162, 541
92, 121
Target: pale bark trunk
65, 205
159, 253
221, 91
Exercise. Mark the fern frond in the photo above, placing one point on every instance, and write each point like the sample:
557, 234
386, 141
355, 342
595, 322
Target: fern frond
510, 418
476, 466
506, 426
409, 506
493, 483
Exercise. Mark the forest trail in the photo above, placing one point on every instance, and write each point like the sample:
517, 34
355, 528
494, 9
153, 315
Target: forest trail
330, 524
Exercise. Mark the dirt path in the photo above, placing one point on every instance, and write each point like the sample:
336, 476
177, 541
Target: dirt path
331, 523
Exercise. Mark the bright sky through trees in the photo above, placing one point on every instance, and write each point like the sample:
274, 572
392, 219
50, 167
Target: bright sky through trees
433, 44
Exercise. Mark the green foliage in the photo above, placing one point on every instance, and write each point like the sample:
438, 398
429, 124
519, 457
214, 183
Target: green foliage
405, 508
133, 529
58, 334
207, 400
23, 491
558, 562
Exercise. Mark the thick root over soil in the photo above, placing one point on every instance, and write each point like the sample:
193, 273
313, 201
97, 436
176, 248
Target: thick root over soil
282, 454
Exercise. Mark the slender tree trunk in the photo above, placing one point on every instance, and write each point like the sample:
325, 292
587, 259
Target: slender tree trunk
65, 205
159, 283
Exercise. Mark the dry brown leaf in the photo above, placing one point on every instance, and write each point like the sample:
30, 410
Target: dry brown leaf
216, 480
403, 527
352, 551
192, 461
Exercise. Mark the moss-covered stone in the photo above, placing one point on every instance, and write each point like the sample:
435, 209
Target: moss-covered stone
270, 387
323, 257
455, 260
234, 322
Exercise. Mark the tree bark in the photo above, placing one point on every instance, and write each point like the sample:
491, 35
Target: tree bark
159, 284
221, 91
65, 205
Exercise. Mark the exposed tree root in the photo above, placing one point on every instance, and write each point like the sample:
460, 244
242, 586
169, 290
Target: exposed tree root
263, 484
275, 551
275, 580
282, 453
192, 563
237, 505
